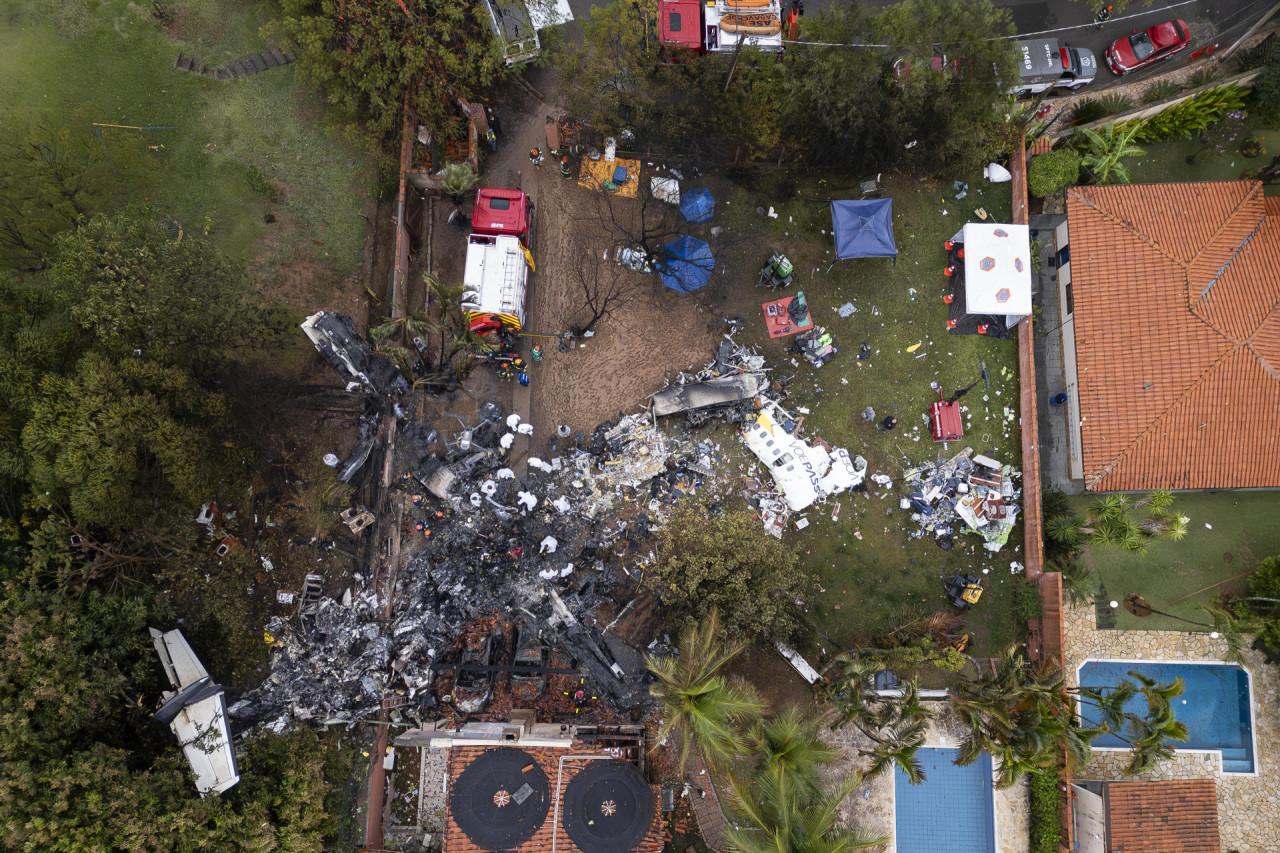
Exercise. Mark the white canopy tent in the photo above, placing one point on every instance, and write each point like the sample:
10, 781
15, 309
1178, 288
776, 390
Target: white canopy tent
997, 269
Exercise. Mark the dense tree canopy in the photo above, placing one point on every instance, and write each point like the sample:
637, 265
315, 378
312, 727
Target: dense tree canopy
109, 365
726, 562
938, 86
367, 55
137, 285
918, 84
119, 440
82, 770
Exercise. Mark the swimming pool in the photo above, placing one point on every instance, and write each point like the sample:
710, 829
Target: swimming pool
1215, 707
951, 811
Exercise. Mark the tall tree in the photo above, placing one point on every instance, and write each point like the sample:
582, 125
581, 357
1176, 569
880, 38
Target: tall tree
915, 84
896, 726
701, 707
838, 104
118, 442
786, 813
368, 55
791, 742
948, 107
1025, 716
607, 77
139, 288
723, 562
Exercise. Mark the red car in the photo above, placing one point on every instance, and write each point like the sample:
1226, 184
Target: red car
1147, 46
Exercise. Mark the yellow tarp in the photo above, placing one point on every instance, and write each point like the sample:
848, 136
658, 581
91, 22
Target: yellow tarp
595, 172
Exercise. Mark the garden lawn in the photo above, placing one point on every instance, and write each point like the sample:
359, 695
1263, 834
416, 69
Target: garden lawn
876, 583
1173, 576
234, 143
1166, 162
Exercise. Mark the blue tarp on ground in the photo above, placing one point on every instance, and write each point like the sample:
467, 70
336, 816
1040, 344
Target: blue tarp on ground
697, 205
686, 264
864, 229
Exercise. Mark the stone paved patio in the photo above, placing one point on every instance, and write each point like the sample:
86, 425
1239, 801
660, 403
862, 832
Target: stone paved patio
1248, 806
872, 805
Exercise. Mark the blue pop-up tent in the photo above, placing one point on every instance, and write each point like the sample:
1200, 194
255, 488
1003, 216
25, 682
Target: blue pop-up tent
697, 205
686, 264
864, 229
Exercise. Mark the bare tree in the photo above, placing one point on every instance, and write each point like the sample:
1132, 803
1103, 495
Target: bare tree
602, 287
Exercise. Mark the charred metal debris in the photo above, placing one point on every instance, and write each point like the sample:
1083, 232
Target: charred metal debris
544, 553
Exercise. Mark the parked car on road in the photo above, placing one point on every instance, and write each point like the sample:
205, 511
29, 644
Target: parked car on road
1144, 47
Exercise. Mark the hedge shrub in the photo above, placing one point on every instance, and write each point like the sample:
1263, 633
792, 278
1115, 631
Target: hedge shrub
1194, 114
1046, 823
1053, 172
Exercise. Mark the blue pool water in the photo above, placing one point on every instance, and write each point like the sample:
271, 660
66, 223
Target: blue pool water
951, 811
1214, 707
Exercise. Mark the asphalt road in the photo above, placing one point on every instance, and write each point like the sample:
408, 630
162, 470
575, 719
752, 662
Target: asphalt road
1211, 22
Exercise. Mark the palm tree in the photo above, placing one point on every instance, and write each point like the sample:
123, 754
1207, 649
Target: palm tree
896, 726
791, 741
1105, 149
1023, 715
701, 707
783, 818
413, 323
457, 179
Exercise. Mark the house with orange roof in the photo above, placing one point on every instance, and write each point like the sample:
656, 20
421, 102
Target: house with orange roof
1167, 816
1170, 335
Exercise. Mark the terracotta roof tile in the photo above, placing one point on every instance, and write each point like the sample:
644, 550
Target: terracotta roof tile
547, 758
1179, 816
1176, 291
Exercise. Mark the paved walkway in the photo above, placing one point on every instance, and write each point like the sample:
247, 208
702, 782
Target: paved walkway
1248, 806
710, 814
1055, 469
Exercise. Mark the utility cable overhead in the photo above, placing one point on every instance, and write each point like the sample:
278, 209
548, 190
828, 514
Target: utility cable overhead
1089, 25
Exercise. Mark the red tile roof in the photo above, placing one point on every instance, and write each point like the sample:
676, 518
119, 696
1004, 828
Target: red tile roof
1179, 816
547, 758
1176, 291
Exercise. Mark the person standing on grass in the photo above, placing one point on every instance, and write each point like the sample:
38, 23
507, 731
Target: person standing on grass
888, 423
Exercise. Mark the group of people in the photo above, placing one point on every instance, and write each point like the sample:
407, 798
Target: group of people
536, 158
869, 415
513, 368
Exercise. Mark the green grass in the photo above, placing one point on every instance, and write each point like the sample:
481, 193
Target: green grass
1244, 531
876, 583
73, 63
1166, 161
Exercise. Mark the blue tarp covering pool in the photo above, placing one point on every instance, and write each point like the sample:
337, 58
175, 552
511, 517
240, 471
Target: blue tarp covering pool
951, 811
1214, 707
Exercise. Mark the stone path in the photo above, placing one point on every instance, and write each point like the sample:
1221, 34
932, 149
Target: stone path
246, 67
705, 801
1248, 806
